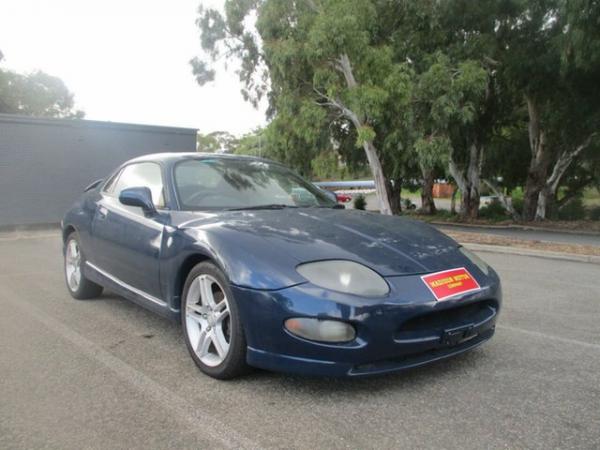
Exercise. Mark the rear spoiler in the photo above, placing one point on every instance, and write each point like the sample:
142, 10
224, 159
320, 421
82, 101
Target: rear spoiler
93, 185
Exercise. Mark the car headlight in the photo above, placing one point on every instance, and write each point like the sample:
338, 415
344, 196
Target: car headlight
345, 276
483, 266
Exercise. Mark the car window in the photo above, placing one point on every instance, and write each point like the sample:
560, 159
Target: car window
142, 175
238, 183
110, 184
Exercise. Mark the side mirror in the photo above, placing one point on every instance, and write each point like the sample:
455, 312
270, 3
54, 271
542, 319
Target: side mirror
138, 196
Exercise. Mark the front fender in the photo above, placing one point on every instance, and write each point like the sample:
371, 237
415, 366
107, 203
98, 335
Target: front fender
246, 261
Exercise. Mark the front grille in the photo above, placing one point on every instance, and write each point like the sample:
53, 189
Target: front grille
417, 359
451, 317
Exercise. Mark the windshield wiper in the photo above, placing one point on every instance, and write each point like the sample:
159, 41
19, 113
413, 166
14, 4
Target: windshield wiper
268, 206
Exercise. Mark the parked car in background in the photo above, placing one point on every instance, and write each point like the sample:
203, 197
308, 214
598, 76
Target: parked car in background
263, 269
343, 198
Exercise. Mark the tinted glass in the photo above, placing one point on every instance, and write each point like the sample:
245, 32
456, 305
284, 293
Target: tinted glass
110, 184
142, 175
238, 183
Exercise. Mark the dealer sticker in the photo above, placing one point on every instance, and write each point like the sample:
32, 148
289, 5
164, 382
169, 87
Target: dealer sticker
448, 283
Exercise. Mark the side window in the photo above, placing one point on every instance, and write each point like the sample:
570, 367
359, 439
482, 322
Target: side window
142, 175
110, 184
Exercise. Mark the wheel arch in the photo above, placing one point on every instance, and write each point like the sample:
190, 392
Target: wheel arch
183, 271
66, 232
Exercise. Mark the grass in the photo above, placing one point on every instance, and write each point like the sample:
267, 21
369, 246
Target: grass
591, 198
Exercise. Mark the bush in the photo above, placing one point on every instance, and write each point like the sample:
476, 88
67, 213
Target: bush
493, 210
518, 204
408, 204
595, 213
572, 210
360, 202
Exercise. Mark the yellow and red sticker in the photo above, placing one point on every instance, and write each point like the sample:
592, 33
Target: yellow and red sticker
448, 283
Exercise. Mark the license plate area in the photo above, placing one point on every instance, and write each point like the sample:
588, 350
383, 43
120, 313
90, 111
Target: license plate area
458, 335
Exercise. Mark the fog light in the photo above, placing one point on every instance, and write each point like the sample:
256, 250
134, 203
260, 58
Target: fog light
321, 330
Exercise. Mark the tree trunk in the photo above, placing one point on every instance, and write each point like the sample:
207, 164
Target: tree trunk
453, 200
469, 182
427, 203
546, 204
547, 195
395, 194
538, 165
506, 202
381, 187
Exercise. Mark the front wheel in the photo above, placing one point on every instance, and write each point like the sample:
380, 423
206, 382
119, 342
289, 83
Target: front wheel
78, 285
211, 323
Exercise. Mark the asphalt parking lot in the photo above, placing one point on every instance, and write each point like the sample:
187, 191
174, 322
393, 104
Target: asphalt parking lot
106, 373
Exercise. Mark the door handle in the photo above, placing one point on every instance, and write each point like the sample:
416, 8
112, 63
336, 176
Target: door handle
102, 212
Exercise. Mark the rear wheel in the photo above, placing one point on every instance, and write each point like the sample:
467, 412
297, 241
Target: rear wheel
211, 323
78, 285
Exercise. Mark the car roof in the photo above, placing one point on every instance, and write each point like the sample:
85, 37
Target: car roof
179, 156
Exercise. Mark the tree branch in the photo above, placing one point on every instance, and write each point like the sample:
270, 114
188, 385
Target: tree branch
503, 199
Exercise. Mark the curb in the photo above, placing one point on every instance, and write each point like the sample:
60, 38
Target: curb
514, 227
592, 259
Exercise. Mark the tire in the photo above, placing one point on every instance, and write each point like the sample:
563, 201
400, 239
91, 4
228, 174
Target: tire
78, 285
212, 326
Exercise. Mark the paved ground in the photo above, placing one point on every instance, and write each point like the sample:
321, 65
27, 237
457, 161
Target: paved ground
108, 374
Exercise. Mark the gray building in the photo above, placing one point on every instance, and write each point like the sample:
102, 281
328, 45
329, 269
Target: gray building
46, 163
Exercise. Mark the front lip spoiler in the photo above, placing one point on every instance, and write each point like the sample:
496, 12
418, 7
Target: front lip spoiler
314, 367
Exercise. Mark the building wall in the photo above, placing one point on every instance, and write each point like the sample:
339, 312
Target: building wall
46, 163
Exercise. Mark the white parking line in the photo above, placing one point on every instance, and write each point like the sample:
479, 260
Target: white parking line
206, 426
551, 337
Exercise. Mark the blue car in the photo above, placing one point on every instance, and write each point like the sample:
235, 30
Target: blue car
264, 270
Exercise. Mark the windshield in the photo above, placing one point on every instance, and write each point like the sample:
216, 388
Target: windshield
224, 183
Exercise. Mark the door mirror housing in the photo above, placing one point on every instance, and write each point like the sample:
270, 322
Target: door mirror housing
138, 196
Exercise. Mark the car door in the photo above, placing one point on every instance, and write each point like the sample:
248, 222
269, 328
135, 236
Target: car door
127, 243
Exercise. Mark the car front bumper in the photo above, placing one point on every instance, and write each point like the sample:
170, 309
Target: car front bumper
406, 329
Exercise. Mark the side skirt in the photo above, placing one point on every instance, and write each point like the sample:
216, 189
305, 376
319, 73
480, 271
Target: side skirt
103, 278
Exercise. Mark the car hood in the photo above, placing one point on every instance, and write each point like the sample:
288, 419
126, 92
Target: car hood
390, 245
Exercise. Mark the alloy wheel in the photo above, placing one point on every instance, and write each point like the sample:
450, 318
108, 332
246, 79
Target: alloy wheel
73, 265
208, 320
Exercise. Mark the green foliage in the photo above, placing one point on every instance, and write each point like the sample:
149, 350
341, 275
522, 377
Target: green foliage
421, 82
360, 202
517, 203
325, 166
493, 211
36, 94
254, 144
216, 142
433, 150
364, 134
408, 205
572, 210
594, 213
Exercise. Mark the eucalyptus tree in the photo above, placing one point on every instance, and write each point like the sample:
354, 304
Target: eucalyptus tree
445, 104
36, 94
453, 49
552, 59
331, 54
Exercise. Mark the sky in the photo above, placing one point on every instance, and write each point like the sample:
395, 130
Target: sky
125, 60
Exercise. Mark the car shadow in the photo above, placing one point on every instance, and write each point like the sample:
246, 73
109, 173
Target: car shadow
259, 379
